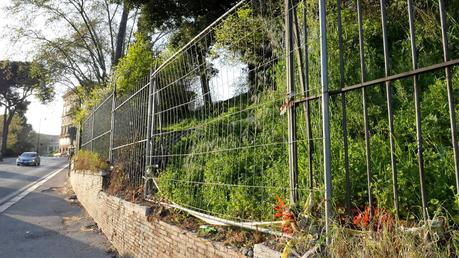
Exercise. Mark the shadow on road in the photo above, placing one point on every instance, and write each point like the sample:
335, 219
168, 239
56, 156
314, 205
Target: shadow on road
22, 239
9, 175
35, 206
44, 224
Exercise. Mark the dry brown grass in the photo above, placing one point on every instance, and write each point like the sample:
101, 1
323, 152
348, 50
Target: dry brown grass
86, 160
119, 186
421, 242
118, 181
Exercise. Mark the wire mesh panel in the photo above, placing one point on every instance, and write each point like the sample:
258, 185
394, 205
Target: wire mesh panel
219, 136
96, 128
130, 133
87, 132
102, 128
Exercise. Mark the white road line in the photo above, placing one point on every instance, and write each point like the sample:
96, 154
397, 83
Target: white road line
11, 195
23, 192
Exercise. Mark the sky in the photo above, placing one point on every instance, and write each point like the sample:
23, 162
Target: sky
47, 118
43, 118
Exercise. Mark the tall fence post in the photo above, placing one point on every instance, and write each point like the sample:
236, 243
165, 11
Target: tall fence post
92, 130
344, 112
325, 115
366, 123
150, 131
417, 108
291, 113
307, 108
449, 87
112, 125
78, 143
149, 121
390, 112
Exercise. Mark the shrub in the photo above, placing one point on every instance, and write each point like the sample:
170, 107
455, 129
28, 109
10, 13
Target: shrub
87, 160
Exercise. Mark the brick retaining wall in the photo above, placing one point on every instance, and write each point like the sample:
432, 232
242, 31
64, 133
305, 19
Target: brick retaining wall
125, 225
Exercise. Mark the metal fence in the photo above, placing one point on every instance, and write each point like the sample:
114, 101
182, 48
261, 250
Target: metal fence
97, 129
208, 129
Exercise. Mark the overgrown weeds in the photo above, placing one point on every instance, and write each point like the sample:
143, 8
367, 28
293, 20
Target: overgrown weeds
230, 236
87, 160
119, 185
413, 242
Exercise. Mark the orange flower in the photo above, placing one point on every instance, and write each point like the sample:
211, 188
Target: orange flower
288, 217
380, 218
280, 207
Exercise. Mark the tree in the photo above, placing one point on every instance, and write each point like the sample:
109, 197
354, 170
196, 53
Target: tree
134, 66
19, 81
90, 39
174, 13
21, 137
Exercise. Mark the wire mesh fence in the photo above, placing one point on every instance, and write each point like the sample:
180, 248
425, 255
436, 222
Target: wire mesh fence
96, 131
218, 137
292, 99
130, 132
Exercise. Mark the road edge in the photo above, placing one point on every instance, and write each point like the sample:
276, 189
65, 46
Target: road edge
15, 197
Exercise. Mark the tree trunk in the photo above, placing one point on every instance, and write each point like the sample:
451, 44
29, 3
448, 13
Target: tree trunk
3, 130
120, 37
204, 79
8, 116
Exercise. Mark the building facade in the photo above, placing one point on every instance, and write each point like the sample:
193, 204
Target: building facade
70, 104
47, 144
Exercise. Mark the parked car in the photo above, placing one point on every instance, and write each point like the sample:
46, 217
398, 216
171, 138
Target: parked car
28, 158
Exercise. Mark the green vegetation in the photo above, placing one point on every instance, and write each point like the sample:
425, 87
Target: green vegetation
222, 181
230, 158
21, 137
96, 96
87, 160
18, 82
135, 65
215, 174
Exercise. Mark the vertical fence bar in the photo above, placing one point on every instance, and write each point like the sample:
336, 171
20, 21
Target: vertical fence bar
112, 125
365, 106
304, 82
325, 115
149, 119
452, 112
344, 113
79, 136
293, 162
298, 50
306, 104
150, 129
390, 114
92, 130
417, 106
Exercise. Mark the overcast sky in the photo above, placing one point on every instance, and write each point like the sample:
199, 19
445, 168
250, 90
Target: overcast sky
50, 114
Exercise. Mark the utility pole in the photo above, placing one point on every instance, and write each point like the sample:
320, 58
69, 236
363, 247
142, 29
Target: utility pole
38, 136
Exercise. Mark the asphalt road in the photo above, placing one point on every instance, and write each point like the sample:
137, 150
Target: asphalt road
45, 223
13, 178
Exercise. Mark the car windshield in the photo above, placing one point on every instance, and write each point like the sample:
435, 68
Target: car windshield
28, 155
